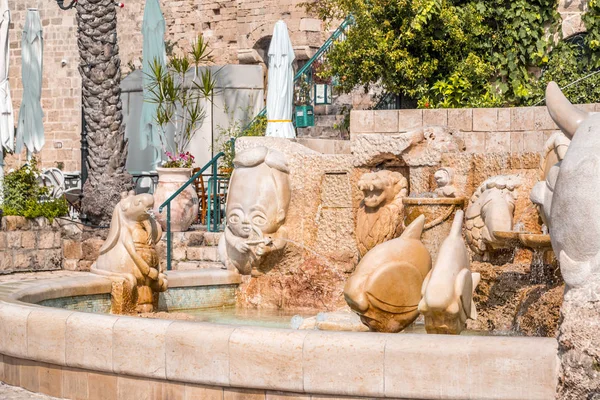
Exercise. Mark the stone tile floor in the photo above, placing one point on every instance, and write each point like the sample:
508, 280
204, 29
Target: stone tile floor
20, 276
15, 393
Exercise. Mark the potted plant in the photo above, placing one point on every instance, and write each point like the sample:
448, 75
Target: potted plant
180, 89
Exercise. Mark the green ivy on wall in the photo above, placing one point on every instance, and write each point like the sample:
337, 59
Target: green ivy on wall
451, 53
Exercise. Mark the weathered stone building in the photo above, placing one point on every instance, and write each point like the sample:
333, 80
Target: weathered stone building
239, 32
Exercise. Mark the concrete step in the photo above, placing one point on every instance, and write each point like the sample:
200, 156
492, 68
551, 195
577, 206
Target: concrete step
192, 265
202, 253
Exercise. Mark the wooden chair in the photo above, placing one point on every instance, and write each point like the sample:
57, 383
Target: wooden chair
202, 197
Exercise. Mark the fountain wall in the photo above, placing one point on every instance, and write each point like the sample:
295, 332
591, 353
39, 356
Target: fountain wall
326, 198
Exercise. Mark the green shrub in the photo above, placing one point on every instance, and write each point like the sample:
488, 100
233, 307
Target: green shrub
24, 196
459, 53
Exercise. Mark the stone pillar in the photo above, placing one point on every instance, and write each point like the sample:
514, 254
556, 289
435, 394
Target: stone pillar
579, 344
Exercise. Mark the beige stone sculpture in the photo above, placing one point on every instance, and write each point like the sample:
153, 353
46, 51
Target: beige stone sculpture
575, 206
257, 205
385, 288
491, 209
555, 149
448, 288
128, 256
379, 217
443, 178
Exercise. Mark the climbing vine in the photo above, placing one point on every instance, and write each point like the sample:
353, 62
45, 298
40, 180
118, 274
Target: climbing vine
457, 53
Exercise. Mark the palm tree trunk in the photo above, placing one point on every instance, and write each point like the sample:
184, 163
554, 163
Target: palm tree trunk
101, 78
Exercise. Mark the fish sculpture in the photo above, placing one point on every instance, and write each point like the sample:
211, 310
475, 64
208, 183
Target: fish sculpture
575, 209
447, 291
385, 288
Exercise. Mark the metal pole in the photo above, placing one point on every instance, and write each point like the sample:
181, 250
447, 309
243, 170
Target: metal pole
169, 244
215, 197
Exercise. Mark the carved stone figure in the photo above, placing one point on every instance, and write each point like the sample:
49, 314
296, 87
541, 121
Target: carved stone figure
129, 256
385, 288
541, 194
491, 209
448, 288
575, 209
257, 204
380, 213
575, 236
443, 178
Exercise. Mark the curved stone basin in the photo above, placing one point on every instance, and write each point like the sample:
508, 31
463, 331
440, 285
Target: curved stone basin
81, 355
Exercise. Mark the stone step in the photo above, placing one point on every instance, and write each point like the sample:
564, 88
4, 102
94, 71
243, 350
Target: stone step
212, 238
191, 265
318, 132
328, 120
202, 253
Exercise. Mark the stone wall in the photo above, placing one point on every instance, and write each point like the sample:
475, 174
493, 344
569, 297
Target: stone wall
29, 245
61, 83
483, 130
234, 30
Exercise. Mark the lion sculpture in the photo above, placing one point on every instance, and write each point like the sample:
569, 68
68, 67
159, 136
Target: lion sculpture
128, 256
380, 213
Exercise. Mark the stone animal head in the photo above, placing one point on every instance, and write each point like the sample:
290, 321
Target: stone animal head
381, 187
259, 193
575, 209
385, 288
132, 209
491, 209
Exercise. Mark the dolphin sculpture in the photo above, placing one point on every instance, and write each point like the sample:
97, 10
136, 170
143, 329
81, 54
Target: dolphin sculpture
575, 208
385, 288
448, 288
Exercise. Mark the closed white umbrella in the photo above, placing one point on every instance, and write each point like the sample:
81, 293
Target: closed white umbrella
30, 131
281, 84
7, 127
153, 29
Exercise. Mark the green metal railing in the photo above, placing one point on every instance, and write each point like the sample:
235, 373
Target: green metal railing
213, 200
305, 73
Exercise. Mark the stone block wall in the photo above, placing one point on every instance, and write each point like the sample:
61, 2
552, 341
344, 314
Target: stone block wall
61, 82
29, 245
233, 28
483, 130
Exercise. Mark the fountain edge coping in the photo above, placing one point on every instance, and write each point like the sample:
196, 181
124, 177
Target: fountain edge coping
316, 362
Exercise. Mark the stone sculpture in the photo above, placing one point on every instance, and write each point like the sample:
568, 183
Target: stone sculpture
257, 205
491, 209
575, 209
575, 236
448, 288
443, 178
379, 216
128, 256
541, 194
385, 288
